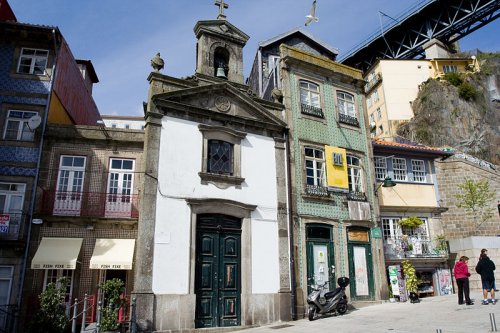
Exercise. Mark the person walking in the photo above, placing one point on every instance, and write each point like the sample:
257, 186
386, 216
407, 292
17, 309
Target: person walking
485, 268
461, 272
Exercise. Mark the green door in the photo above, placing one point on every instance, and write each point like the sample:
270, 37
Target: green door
360, 264
217, 273
320, 258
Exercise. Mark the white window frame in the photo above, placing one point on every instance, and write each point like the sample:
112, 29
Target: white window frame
418, 171
317, 165
13, 194
391, 228
310, 93
380, 167
69, 187
346, 104
9, 278
450, 69
23, 132
355, 174
399, 169
34, 59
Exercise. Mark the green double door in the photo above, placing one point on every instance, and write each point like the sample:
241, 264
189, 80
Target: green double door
218, 271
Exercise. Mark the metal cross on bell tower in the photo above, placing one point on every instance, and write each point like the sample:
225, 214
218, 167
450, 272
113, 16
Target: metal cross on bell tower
222, 6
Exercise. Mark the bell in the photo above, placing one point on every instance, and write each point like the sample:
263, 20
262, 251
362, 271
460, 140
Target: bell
221, 73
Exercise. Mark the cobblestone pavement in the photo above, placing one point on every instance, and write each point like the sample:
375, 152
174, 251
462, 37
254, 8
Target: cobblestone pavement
430, 315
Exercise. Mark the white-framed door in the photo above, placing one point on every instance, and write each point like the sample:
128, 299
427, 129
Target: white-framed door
11, 207
120, 187
53, 276
69, 193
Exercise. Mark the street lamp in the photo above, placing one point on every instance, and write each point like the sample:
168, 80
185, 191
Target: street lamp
388, 182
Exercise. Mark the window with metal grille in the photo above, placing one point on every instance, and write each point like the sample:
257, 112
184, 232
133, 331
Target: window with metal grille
220, 157
399, 169
418, 170
309, 99
315, 166
380, 167
33, 61
345, 104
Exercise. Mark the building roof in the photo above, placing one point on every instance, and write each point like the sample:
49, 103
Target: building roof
90, 69
412, 147
6, 12
330, 49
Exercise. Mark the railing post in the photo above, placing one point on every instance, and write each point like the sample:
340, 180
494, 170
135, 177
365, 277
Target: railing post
84, 314
75, 313
99, 308
133, 325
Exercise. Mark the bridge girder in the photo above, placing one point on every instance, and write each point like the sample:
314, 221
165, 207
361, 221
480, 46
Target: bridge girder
445, 20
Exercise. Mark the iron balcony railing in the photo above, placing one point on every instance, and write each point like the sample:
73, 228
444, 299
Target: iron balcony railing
396, 248
373, 82
319, 191
12, 226
356, 196
343, 118
312, 110
90, 204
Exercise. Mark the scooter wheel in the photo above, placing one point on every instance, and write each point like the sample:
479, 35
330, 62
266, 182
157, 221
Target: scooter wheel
311, 312
342, 308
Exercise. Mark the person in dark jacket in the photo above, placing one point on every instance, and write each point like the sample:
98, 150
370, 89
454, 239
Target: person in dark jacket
461, 272
485, 268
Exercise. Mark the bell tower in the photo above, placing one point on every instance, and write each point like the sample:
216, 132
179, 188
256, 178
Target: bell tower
219, 48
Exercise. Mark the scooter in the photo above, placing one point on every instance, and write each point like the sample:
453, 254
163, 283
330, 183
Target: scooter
335, 300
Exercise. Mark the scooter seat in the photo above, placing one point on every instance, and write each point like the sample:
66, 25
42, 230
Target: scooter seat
332, 293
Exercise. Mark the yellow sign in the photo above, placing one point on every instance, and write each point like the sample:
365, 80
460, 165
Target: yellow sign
336, 168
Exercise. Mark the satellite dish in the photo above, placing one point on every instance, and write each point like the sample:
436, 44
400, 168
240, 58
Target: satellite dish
34, 122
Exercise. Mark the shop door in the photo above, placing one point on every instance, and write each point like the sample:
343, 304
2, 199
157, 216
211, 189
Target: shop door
360, 265
217, 276
320, 259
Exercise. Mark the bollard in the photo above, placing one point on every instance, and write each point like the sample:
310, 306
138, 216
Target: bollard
75, 312
98, 323
493, 322
133, 325
84, 314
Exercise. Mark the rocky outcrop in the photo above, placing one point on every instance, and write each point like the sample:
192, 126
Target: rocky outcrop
443, 117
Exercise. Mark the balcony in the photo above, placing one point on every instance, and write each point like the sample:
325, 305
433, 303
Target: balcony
356, 196
12, 226
90, 204
343, 118
373, 83
312, 111
400, 248
318, 191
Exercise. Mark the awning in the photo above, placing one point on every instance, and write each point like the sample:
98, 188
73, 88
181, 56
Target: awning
113, 254
57, 253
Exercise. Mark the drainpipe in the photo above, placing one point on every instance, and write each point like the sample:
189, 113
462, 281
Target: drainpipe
35, 182
293, 283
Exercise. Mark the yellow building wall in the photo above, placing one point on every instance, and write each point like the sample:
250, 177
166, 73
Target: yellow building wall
57, 112
408, 195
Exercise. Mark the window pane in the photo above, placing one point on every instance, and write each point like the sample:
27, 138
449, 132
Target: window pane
128, 165
78, 161
418, 170
220, 157
11, 130
399, 167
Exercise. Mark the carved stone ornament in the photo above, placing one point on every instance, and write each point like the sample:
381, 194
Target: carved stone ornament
222, 104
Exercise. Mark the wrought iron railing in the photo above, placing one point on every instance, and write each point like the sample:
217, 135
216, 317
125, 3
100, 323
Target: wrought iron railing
356, 196
372, 83
319, 191
414, 248
343, 118
312, 110
8, 316
12, 226
90, 204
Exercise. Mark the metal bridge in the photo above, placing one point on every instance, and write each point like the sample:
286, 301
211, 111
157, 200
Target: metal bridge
403, 38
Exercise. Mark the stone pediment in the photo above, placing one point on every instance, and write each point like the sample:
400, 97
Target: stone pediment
221, 28
218, 99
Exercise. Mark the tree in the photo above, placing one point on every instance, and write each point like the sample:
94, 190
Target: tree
52, 314
476, 197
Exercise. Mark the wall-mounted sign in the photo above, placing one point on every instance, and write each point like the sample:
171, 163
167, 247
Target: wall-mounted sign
376, 232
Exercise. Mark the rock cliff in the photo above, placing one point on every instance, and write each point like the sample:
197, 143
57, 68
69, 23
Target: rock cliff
463, 116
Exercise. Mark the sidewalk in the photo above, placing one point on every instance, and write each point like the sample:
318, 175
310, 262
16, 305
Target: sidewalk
431, 314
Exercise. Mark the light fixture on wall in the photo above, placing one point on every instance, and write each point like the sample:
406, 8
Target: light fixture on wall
388, 182
37, 221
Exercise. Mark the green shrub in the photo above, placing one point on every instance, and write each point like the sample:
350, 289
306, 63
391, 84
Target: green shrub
467, 91
453, 78
112, 290
52, 314
410, 276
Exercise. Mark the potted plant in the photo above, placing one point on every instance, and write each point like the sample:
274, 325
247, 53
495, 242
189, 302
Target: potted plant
411, 280
113, 290
441, 246
411, 222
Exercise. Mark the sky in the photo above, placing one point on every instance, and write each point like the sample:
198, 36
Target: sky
121, 36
